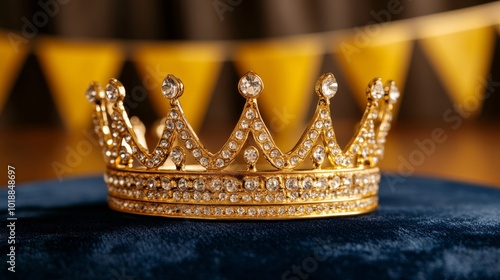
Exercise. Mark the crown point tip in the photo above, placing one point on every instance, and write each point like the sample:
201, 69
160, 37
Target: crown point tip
375, 89
250, 85
114, 91
92, 92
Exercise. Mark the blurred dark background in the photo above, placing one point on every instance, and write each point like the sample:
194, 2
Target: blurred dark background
33, 134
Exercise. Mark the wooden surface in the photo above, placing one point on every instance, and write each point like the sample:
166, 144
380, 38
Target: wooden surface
469, 152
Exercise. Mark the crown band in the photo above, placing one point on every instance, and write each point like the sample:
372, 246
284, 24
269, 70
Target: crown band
339, 182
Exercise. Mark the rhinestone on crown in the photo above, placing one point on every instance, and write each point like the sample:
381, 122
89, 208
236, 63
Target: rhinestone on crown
250, 85
365, 149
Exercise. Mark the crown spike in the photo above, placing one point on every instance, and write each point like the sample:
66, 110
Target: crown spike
140, 182
172, 87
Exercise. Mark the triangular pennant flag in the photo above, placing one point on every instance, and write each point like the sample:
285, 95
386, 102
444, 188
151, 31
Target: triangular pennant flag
197, 65
288, 69
12, 56
368, 53
462, 61
69, 66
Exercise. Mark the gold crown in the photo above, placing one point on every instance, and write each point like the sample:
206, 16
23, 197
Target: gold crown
316, 178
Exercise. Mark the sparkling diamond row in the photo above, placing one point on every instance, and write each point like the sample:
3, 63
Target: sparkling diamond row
245, 211
257, 190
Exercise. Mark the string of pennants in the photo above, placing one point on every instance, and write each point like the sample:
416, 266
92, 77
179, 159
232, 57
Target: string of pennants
459, 44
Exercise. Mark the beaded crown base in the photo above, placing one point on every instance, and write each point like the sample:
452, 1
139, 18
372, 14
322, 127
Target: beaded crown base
316, 178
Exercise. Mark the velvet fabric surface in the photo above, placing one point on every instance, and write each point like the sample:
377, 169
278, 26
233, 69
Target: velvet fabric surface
424, 228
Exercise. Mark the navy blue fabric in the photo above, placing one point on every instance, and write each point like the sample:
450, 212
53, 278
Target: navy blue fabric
424, 228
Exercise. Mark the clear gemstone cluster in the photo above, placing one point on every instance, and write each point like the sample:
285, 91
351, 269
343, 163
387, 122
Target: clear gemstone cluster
295, 211
270, 189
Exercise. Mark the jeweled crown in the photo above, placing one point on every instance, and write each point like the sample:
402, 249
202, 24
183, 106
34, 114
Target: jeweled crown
315, 178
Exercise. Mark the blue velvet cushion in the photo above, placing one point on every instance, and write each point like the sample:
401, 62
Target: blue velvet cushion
424, 229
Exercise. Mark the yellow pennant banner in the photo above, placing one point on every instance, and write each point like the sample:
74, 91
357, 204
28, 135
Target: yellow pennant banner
374, 51
289, 69
462, 61
196, 64
12, 58
69, 66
